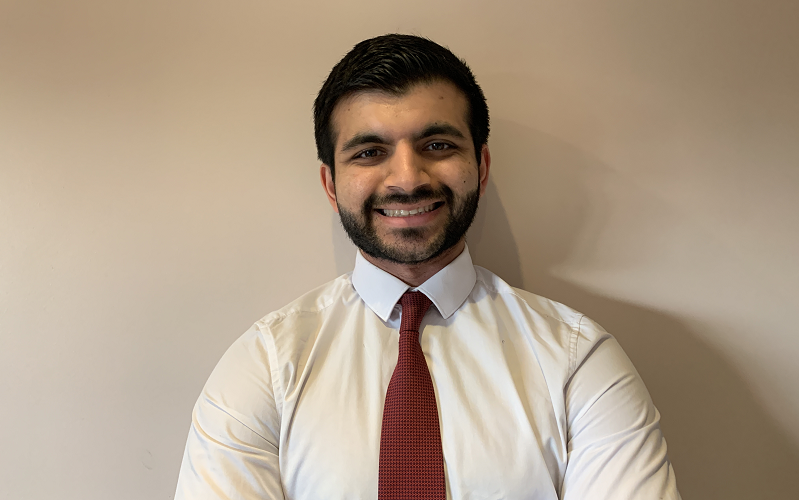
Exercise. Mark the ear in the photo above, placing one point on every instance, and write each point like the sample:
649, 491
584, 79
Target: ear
326, 176
483, 168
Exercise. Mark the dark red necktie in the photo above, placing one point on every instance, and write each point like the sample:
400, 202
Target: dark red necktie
411, 465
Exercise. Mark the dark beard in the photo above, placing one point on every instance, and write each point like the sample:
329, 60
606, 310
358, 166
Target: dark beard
362, 232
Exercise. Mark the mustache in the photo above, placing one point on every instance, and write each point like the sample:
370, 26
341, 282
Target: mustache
422, 193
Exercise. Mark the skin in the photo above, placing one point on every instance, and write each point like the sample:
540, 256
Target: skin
389, 144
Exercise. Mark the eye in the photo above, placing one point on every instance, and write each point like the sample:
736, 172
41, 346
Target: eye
438, 146
369, 153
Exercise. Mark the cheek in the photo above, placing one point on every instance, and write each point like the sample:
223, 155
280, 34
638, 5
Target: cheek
353, 190
463, 178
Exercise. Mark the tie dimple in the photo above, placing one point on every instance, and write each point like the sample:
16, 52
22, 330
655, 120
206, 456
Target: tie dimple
411, 463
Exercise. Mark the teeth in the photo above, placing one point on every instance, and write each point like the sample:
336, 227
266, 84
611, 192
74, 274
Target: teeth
406, 213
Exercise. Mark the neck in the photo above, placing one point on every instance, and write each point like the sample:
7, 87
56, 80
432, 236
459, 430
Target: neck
417, 274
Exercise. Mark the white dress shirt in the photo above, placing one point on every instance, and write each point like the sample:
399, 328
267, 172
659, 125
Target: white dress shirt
536, 401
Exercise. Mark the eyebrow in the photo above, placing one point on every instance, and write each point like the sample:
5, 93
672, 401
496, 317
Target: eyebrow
373, 138
363, 138
439, 129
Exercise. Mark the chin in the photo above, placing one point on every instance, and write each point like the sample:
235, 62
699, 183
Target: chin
405, 253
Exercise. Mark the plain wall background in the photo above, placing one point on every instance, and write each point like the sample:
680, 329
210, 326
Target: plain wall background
159, 193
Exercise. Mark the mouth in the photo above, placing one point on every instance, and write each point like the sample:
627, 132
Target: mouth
409, 213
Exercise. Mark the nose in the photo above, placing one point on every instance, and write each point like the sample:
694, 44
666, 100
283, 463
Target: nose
407, 170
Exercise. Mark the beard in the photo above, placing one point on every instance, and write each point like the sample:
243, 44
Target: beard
412, 246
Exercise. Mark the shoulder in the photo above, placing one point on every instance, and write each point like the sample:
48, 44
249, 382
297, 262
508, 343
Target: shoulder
281, 335
286, 332
312, 303
260, 339
546, 317
495, 286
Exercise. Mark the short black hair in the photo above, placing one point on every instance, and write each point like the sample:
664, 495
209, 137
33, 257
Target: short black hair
393, 64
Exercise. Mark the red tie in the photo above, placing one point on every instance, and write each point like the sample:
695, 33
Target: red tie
411, 465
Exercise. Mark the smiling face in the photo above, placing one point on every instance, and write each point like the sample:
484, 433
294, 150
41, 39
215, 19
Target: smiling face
407, 181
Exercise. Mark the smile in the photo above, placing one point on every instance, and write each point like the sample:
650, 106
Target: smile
409, 213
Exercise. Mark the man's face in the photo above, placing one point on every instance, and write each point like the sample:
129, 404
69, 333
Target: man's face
407, 183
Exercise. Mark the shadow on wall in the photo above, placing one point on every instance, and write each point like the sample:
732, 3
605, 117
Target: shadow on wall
722, 445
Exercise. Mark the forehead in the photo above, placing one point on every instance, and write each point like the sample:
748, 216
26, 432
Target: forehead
399, 115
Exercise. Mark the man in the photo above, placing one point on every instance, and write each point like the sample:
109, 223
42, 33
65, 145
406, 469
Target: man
419, 375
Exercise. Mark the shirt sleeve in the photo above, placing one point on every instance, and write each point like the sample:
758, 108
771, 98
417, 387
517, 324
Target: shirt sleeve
232, 449
616, 448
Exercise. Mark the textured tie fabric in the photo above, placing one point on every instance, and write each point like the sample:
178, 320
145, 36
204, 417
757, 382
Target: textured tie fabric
411, 464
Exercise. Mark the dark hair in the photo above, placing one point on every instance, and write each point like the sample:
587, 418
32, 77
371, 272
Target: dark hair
393, 63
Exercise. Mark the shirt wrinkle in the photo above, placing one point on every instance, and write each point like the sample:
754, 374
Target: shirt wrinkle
274, 366
214, 404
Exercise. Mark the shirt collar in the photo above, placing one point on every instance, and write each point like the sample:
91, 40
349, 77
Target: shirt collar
447, 289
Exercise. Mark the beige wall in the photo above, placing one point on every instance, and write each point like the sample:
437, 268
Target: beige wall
159, 193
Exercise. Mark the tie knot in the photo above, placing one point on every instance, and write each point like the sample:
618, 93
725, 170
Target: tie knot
414, 305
